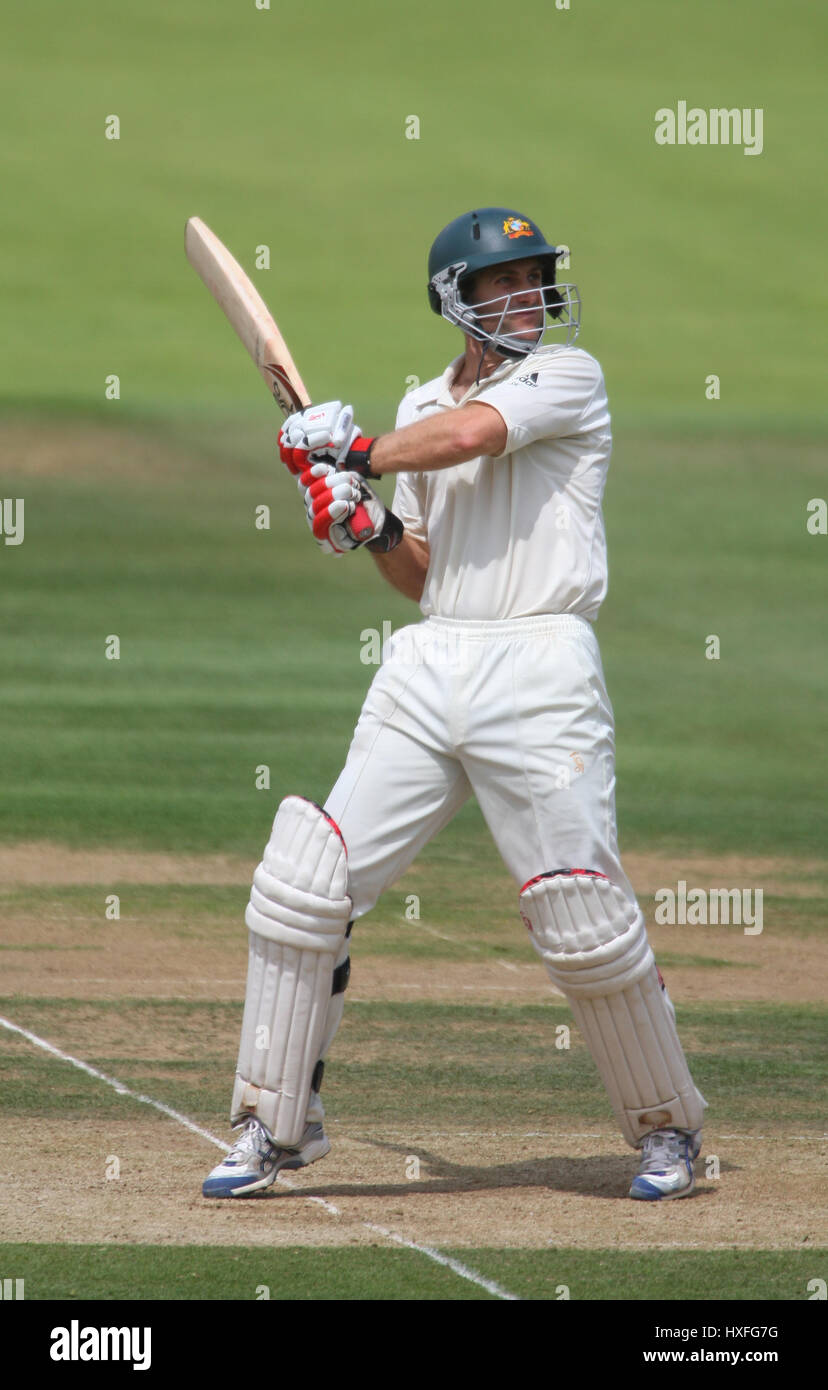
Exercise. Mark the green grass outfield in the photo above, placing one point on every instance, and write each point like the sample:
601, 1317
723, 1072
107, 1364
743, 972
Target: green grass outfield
287, 129
242, 647
104, 1272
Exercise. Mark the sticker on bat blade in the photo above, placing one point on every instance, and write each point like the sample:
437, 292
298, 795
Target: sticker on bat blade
282, 388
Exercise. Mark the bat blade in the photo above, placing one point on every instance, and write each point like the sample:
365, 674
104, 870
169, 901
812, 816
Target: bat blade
248, 314
254, 324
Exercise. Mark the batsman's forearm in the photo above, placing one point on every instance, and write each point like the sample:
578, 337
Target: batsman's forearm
405, 567
441, 441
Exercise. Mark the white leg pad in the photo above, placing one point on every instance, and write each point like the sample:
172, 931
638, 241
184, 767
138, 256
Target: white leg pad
297, 917
593, 942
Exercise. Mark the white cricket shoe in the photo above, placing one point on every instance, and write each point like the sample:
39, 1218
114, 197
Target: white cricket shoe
666, 1165
254, 1160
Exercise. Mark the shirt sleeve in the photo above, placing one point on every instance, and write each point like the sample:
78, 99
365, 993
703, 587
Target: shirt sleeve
408, 503
550, 399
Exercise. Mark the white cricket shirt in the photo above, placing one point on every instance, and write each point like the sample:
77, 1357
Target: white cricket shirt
522, 533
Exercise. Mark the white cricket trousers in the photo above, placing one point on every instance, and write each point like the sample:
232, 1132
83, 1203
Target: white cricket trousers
514, 712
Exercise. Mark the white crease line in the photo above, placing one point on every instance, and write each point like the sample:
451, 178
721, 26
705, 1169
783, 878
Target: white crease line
476, 946
481, 988
320, 1201
455, 940
151, 982
455, 1266
770, 1137
560, 1134
115, 1084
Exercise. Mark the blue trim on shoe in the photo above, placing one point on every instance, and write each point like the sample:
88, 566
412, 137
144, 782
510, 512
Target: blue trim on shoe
226, 1187
646, 1191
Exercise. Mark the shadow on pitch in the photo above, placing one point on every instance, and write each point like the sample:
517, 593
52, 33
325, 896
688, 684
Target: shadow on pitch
599, 1175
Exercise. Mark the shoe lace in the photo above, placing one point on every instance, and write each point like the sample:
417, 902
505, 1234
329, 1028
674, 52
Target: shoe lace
252, 1140
660, 1149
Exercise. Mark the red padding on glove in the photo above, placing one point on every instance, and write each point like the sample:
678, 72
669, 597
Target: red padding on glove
296, 460
360, 523
317, 485
322, 525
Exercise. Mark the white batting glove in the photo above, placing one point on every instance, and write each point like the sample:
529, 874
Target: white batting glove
321, 433
331, 498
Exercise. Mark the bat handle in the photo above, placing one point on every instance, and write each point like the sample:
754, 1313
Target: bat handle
361, 523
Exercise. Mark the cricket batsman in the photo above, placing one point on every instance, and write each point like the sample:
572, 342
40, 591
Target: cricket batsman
496, 531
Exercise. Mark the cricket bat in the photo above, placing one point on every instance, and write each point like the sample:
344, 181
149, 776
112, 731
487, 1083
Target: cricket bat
248, 314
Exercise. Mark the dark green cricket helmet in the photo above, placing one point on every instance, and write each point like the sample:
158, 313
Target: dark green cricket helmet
487, 237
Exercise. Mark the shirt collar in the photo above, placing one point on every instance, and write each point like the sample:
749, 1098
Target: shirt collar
441, 392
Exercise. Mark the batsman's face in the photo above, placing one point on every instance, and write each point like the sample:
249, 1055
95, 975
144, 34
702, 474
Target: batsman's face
516, 288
